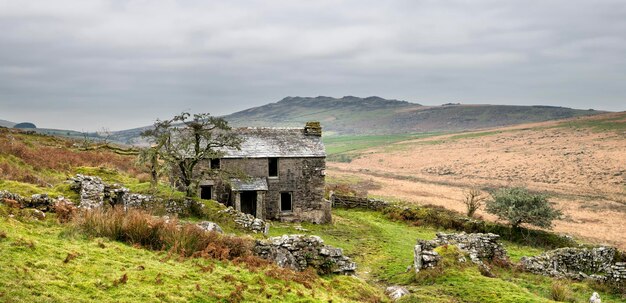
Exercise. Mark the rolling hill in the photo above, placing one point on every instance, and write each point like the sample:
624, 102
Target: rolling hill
351, 115
374, 115
5, 123
578, 162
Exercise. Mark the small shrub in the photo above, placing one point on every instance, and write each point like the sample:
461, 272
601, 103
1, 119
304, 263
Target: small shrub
473, 200
518, 206
65, 211
560, 292
305, 278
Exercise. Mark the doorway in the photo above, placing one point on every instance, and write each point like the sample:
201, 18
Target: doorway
248, 202
206, 192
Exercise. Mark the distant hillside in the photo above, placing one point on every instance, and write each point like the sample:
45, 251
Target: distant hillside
374, 115
26, 125
5, 123
378, 116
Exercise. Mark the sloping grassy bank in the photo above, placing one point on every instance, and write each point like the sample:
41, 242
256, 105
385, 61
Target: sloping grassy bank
383, 249
44, 261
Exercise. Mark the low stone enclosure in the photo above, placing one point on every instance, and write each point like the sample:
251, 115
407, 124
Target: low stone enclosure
579, 264
596, 263
478, 247
299, 252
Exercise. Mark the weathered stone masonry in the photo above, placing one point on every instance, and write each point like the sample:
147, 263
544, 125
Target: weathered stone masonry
478, 246
299, 252
280, 165
579, 263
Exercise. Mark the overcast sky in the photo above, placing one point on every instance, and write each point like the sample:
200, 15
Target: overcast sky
86, 65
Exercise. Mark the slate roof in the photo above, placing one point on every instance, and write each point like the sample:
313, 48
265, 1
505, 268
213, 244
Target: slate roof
248, 184
276, 142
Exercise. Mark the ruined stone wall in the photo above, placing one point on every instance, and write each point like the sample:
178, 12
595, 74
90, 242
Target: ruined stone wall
616, 274
361, 202
478, 246
571, 262
299, 252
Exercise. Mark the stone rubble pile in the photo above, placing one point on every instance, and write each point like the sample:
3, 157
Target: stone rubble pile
478, 246
298, 252
578, 263
247, 221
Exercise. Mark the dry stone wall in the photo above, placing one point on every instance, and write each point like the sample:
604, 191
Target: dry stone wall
361, 202
41, 202
616, 274
578, 263
94, 193
298, 252
478, 246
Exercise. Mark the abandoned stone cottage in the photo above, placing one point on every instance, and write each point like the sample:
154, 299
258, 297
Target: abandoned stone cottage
284, 171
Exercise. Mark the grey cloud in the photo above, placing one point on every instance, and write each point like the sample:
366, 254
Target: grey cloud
120, 64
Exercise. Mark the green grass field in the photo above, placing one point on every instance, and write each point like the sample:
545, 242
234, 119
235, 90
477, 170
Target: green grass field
43, 261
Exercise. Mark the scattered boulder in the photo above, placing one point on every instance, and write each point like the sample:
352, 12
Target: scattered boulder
595, 298
210, 226
298, 252
396, 292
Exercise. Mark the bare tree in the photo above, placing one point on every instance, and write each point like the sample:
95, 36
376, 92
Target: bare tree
185, 140
473, 199
105, 135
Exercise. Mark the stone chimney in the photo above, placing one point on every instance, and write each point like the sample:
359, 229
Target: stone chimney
313, 129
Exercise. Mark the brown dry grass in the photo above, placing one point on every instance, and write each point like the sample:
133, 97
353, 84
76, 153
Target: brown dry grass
38, 153
584, 172
140, 228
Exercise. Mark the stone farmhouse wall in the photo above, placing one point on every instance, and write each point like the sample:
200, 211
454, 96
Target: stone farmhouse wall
303, 177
